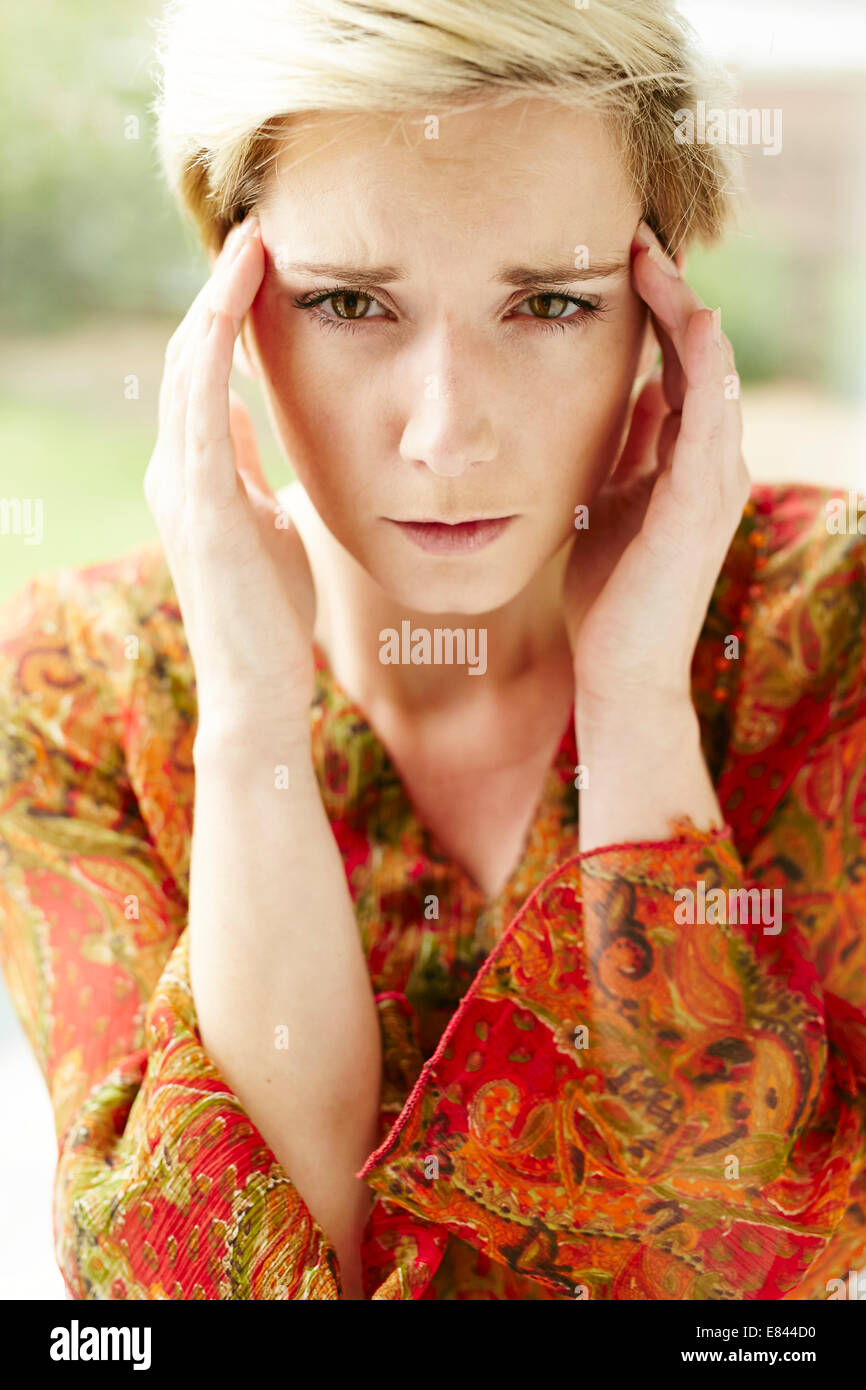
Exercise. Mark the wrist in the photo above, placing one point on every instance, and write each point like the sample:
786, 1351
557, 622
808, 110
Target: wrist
228, 740
660, 722
643, 772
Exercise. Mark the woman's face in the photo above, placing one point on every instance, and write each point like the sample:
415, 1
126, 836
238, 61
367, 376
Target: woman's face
445, 378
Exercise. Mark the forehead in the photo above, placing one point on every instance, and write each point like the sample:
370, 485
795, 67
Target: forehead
530, 172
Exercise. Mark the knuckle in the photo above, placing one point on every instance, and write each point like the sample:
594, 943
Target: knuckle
201, 446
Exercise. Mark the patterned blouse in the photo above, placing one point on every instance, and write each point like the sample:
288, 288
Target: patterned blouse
584, 1095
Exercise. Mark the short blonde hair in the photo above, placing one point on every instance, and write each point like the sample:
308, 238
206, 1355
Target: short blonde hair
234, 75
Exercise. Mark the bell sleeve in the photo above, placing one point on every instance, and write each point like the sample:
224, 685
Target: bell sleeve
164, 1188
628, 1107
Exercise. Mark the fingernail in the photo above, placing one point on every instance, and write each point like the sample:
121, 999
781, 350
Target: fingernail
238, 234
717, 326
645, 236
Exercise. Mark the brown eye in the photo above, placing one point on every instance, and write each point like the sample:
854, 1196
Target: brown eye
550, 306
352, 300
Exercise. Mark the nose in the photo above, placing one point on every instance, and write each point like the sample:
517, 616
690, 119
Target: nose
450, 426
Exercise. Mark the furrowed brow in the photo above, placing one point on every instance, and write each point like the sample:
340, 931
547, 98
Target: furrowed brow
363, 278
521, 277
524, 277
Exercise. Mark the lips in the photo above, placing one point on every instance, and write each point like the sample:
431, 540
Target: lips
453, 538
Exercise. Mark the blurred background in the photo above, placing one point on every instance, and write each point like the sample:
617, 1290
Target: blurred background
96, 270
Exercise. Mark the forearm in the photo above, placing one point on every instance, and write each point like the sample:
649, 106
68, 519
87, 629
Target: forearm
644, 768
274, 945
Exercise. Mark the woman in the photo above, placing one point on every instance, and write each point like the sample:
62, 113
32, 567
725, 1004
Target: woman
546, 985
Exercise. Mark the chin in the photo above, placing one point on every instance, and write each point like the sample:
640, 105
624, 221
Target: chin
471, 594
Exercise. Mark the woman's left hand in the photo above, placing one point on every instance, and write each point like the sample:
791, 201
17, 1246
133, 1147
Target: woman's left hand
640, 578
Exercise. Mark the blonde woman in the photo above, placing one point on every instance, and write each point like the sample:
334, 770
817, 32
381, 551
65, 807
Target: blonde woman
444, 879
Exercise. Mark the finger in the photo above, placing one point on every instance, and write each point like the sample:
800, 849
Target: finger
233, 290
209, 455
672, 305
639, 452
188, 329
702, 455
667, 439
167, 463
673, 376
671, 301
165, 479
735, 469
230, 249
676, 385
230, 290
177, 404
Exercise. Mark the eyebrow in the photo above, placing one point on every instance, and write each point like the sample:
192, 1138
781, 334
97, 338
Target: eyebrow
564, 273
517, 275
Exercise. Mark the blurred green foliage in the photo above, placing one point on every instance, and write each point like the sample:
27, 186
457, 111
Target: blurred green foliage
88, 470
88, 475
785, 315
86, 222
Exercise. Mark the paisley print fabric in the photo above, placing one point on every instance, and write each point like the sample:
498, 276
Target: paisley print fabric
582, 1096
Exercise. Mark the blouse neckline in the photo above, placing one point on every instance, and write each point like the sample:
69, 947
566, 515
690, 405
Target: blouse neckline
374, 777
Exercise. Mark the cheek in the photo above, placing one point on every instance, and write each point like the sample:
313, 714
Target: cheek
583, 400
312, 398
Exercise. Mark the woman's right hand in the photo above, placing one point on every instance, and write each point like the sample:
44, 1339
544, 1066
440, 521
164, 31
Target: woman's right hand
239, 566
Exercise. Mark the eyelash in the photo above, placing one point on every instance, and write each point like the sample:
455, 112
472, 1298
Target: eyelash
310, 301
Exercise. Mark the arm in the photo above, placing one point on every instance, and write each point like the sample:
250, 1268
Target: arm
274, 943
275, 954
165, 1187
